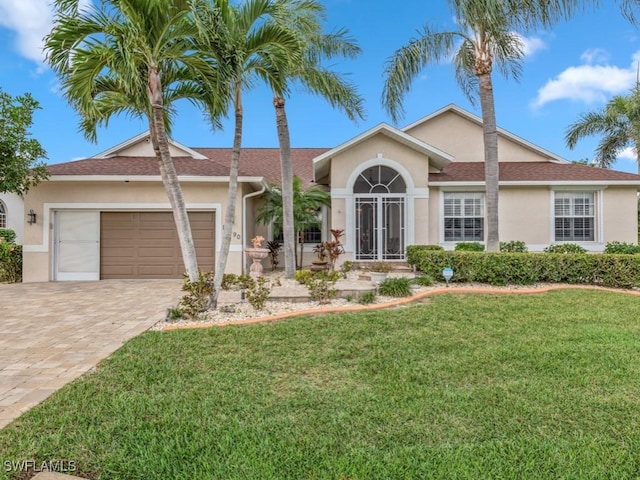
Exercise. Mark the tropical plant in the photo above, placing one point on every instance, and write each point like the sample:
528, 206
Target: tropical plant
485, 36
303, 18
306, 202
618, 124
134, 57
514, 246
248, 44
274, 252
396, 287
21, 167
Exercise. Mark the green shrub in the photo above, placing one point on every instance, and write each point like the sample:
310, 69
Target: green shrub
619, 271
622, 248
10, 262
565, 248
469, 247
367, 297
432, 247
258, 293
8, 235
424, 280
321, 285
196, 299
515, 246
228, 280
302, 276
396, 287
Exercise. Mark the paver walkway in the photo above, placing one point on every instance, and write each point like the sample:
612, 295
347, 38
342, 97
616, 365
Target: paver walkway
51, 333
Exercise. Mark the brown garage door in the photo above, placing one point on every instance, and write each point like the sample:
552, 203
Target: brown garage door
145, 244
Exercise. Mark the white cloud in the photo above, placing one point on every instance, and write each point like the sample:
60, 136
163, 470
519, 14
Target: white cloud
30, 20
531, 45
628, 153
589, 83
595, 55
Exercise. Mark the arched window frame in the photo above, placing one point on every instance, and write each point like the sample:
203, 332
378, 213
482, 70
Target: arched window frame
3, 215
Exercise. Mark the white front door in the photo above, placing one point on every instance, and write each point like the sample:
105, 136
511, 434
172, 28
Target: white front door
77, 245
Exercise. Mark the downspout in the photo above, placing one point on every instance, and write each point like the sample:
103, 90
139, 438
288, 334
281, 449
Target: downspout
244, 216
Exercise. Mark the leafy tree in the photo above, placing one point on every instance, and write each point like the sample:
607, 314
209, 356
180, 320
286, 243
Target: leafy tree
618, 124
303, 18
20, 155
247, 44
134, 57
306, 202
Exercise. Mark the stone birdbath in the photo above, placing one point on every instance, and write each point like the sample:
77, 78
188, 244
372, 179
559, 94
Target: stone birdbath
257, 254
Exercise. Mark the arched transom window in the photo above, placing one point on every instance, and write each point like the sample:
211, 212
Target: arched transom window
379, 179
3, 215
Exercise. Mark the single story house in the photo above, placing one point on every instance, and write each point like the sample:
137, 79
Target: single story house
108, 216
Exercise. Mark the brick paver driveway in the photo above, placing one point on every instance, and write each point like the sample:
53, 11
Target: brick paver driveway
51, 333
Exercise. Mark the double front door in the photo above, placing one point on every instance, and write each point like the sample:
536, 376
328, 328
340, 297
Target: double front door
380, 227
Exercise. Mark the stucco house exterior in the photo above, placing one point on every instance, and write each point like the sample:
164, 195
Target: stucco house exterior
108, 216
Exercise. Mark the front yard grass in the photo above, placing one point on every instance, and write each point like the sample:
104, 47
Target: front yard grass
482, 386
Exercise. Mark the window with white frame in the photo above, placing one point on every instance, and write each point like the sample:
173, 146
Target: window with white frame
574, 214
463, 217
3, 215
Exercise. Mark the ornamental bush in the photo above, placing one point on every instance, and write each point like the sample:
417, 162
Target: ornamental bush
565, 248
8, 235
10, 262
396, 287
619, 271
622, 248
515, 246
469, 247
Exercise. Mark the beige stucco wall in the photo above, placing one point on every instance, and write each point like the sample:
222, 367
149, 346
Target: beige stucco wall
344, 164
113, 196
621, 215
462, 138
525, 214
145, 149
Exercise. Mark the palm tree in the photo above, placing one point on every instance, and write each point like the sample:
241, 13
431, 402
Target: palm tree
619, 125
306, 202
133, 57
248, 45
303, 19
484, 38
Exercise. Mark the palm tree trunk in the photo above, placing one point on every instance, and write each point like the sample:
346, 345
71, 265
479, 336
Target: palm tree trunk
491, 166
169, 176
230, 212
286, 166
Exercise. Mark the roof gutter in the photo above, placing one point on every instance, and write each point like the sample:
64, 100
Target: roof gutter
244, 215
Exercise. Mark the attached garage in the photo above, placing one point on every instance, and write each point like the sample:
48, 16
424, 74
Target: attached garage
146, 245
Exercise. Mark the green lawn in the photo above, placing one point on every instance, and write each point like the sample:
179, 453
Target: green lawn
542, 386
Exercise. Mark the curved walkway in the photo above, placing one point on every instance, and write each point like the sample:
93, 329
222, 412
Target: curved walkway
403, 301
54, 332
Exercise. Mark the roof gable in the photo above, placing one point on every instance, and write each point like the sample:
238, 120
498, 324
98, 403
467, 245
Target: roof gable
438, 158
140, 146
475, 120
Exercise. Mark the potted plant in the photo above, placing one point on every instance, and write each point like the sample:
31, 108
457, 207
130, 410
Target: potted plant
378, 271
321, 253
257, 253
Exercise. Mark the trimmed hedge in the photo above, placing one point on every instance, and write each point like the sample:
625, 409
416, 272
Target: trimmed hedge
619, 271
469, 247
623, 248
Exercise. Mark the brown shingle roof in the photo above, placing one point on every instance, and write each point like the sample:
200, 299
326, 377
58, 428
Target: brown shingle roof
530, 172
254, 162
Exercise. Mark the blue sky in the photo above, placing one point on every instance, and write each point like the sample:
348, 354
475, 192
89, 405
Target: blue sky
570, 69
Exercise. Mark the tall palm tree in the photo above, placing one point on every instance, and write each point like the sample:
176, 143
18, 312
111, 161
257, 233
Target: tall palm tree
303, 18
133, 57
619, 125
248, 45
484, 39
306, 202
